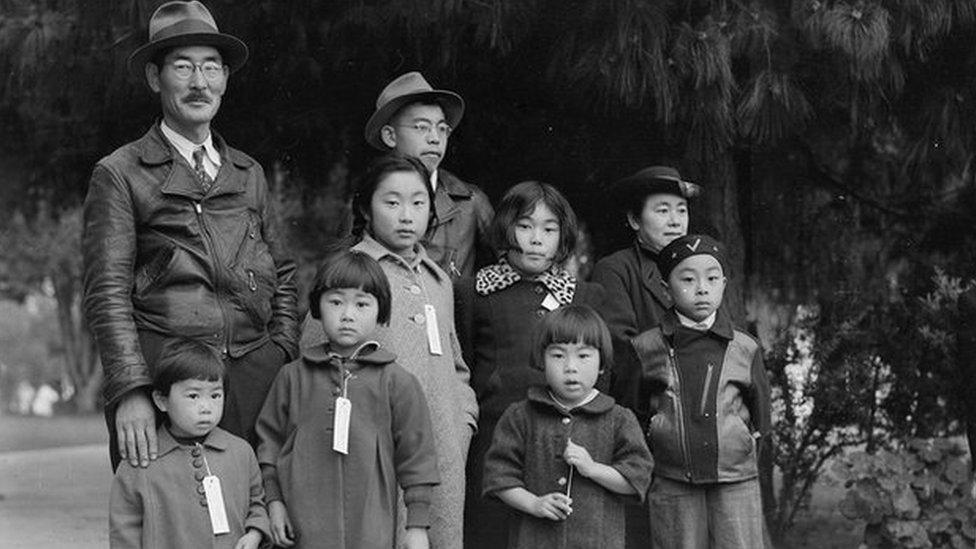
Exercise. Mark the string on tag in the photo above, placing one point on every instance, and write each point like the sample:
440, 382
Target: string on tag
204, 456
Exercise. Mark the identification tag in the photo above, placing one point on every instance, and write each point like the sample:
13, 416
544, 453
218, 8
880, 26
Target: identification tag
433, 333
340, 427
215, 504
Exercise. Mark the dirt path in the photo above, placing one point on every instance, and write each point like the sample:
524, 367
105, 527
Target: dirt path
54, 498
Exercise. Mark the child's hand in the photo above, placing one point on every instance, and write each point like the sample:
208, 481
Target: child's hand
554, 506
250, 540
282, 532
416, 538
578, 457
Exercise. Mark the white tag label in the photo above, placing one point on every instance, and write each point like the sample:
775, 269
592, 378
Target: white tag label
340, 427
433, 334
550, 303
215, 504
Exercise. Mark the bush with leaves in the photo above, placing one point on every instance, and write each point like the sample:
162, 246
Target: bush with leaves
917, 496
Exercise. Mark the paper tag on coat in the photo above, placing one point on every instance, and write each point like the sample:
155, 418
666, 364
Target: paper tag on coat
215, 504
340, 427
550, 303
433, 333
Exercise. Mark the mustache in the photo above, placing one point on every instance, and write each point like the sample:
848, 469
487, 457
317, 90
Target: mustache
197, 97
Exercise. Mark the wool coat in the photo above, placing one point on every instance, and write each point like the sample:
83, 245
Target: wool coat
163, 506
459, 241
444, 378
347, 501
527, 450
636, 300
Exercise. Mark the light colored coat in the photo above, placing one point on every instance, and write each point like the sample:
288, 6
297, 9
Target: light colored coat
444, 378
161, 507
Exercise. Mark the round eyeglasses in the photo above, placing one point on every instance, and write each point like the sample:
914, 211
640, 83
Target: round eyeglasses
211, 70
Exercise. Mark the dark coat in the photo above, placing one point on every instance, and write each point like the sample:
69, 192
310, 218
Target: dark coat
707, 409
161, 507
636, 300
459, 243
160, 255
527, 452
335, 500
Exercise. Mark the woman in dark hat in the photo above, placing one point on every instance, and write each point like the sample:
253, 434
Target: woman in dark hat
655, 202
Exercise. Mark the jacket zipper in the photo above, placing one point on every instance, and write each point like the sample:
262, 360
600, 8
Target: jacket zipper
708, 383
679, 413
209, 245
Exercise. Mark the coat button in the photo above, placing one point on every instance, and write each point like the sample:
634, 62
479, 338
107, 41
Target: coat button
540, 289
197, 462
561, 481
418, 318
200, 489
337, 391
199, 475
195, 452
415, 290
203, 502
566, 421
540, 313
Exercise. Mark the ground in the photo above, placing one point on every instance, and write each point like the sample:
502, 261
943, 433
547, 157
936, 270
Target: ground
54, 485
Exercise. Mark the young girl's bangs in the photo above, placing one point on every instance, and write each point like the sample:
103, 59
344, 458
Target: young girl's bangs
349, 269
573, 324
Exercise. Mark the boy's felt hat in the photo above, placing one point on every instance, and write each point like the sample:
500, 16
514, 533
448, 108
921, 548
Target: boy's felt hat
686, 246
405, 89
655, 180
176, 24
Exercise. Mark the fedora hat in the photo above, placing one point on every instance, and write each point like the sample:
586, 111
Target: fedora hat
405, 89
176, 24
654, 180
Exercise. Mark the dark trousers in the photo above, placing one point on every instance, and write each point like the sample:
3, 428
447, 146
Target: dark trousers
247, 380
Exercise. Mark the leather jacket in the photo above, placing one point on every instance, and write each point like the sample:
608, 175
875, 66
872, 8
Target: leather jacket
161, 255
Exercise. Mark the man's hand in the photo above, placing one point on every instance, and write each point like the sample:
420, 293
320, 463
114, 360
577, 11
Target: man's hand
416, 538
282, 532
250, 540
553, 506
135, 425
578, 457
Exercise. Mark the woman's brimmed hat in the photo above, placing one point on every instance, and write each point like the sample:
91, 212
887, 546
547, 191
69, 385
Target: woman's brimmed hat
655, 180
405, 89
177, 24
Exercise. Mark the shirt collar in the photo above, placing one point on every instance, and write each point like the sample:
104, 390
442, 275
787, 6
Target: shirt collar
702, 326
379, 252
217, 439
186, 147
598, 404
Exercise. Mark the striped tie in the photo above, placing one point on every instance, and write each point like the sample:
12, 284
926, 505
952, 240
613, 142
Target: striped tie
202, 176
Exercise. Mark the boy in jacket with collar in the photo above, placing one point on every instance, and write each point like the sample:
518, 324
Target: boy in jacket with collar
704, 389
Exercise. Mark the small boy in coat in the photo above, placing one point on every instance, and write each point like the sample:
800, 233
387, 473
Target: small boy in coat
568, 457
204, 489
704, 387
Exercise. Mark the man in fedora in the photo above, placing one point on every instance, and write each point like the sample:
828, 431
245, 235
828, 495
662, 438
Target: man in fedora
180, 240
414, 119
655, 207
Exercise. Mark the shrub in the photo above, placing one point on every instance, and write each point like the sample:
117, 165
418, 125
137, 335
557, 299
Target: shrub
915, 497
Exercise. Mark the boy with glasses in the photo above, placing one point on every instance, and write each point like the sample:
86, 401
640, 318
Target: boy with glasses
414, 119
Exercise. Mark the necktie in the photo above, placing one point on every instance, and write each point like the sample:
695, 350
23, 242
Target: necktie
202, 176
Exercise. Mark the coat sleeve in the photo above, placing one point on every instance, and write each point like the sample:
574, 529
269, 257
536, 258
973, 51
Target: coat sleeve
109, 251
126, 508
285, 324
257, 513
464, 297
272, 426
630, 454
505, 460
617, 311
759, 398
415, 456
469, 402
